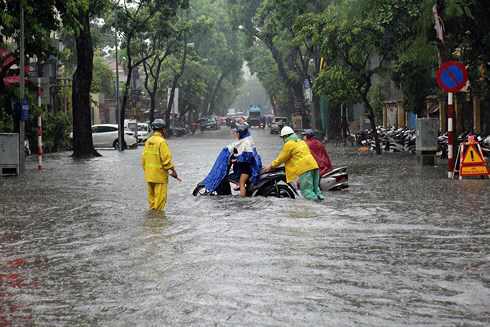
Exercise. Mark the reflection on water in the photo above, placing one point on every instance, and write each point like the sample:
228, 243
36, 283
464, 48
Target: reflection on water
402, 247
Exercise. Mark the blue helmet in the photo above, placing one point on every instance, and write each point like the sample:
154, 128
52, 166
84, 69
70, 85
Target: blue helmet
158, 124
241, 130
308, 132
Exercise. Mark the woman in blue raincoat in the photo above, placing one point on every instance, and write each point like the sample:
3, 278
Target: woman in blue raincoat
245, 158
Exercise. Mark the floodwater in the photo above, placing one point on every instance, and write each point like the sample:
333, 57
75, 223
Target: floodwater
403, 246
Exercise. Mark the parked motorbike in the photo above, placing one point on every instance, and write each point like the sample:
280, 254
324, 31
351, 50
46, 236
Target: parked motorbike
403, 140
335, 180
272, 183
194, 128
27, 147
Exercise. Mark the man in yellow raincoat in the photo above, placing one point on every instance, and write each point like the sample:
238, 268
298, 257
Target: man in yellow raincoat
299, 163
157, 161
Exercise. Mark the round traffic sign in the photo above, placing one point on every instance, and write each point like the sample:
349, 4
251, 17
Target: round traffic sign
452, 76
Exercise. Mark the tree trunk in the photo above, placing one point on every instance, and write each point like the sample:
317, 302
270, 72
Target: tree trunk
316, 112
372, 120
273, 104
127, 87
334, 128
82, 79
299, 103
153, 91
295, 86
152, 106
171, 99
174, 83
215, 91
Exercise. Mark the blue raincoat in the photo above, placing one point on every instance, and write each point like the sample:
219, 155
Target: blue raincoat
245, 152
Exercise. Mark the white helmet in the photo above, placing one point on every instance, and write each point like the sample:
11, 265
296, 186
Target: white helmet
286, 130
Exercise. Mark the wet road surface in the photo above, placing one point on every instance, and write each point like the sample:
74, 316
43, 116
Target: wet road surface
401, 247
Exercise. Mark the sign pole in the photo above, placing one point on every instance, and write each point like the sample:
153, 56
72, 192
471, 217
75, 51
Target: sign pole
450, 136
451, 77
22, 156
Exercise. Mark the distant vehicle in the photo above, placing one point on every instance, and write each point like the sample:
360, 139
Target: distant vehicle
210, 122
106, 136
254, 115
130, 124
278, 123
144, 132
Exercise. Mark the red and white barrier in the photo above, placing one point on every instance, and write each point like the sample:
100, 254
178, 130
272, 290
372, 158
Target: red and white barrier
39, 143
450, 137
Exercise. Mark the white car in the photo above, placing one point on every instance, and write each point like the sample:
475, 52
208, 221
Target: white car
105, 135
144, 132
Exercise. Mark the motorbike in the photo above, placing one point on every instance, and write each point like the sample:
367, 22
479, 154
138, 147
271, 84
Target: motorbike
27, 147
272, 183
335, 180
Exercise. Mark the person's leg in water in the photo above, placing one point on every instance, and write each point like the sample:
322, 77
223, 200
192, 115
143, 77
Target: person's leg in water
243, 180
307, 186
316, 184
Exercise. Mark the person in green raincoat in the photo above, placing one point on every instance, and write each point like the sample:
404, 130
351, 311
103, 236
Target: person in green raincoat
299, 163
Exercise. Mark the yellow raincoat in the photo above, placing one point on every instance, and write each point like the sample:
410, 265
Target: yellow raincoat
157, 161
297, 158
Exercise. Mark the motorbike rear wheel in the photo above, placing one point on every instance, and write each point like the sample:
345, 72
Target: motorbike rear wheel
282, 191
201, 190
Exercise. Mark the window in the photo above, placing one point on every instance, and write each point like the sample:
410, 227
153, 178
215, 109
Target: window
103, 129
96, 129
142, 128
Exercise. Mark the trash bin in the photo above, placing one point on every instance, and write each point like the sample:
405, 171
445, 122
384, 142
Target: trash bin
9, 154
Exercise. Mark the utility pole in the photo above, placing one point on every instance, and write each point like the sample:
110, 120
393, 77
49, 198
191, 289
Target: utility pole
120, 134
22, 157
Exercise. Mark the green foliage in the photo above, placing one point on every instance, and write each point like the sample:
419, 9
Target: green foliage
413, 75
6, 123
56, 127
103, 77
260, 61
40, 18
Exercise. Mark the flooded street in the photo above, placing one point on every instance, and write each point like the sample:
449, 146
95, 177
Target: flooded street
403, 246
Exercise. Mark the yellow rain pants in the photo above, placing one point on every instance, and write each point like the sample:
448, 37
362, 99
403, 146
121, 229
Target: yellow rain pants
156, 161
157, 195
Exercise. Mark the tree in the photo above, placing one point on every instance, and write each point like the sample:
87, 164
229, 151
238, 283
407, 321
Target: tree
140, 43
77, 14
260, 61
467, 39
357, 46
273, 23
40, 19
152, 69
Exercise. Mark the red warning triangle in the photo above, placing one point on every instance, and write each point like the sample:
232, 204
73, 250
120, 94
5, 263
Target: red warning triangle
472, 156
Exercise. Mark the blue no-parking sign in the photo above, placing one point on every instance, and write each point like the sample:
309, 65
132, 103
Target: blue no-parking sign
452, 76
24, 112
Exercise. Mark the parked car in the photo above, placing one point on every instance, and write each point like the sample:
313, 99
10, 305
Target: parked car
144, 132
278, 123
210, 122
106, 136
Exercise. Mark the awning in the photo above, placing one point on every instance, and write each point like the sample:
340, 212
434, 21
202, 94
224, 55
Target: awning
432, 109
